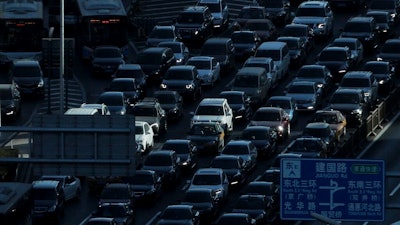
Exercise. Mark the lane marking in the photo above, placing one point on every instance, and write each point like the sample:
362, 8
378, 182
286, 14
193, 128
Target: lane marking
394, 190
152, 219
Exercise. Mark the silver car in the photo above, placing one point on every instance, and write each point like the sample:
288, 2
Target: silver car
207, 67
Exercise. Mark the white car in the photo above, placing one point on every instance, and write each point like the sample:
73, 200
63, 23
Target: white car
144, 135
71, 185
208, 68
214, 110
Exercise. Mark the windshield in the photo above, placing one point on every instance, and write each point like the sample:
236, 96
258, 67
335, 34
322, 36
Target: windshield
145, 111
141, 179
115, 193
355, 82
176, 47
210, 110
261, 115
149, 58
293, 44
44, 194
302, 89
310, 73
284, 104
179, 148
377, 68
166, 99
317, 132
213, 49
391, 48
246, 81
201, 129
177, 214
122, 86
225, 163
251, 14
158, 160
254, 135
200, 64
111, 211
26, 71
250, 203
306, 146
233, 99
382, 4
256, 64
257, 26
129, 74
326, 118
318, 12
109, 100
236, 150
295, 32
178, 75
242, 37
333, 56
357, 27
345, 99
203, 196
381, 18
206, 179
274, 54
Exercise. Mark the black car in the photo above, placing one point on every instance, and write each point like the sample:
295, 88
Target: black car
235, 218
265, 29
245, 43
277, 10
126, 86
204, 200
297, 50
383, 21
207, 137
10, 102
171, 102
185, 150
390, 6
133, 71
145, 184
240, 104
338, 60
257, 206
28, 76
123, 214
304, 32
316, 73
106, 59
117, 193
365, 29
115, 101
250, 12
220, 11
155, 61
184, 80
311, 147
264, 138
390, 52
223, 50
267, 188
234, 167
245, 150
179, 215
384, 74
322, 130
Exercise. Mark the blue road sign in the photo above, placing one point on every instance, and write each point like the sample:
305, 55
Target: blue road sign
340, 189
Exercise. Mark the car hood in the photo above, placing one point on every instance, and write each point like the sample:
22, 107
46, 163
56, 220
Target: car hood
206, 118
265, 123
309, 20
204, 72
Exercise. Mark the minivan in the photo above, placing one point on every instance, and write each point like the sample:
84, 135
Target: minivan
222, 50
279, 52
253, 81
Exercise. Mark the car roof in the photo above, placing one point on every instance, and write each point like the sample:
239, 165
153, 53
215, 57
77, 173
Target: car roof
336, 48
238, 142
201, 58
25, 62
345, 39
281, 97
259, 60
195, 9
45, 183
203, 171
348, 90
312, 66
163, 152
165, 92
217, 40
181, 67
251, 71
272, 45
302, 83
210, 1
154, 49
313, 4
175, 141
317, 125
360, 19
269, 109
262, 128
212, 101
358, 74
230, 93
288, 38
129, 66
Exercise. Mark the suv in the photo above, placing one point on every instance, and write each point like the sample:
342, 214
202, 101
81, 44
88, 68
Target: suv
219, 10
365, 29
195, 24
48, 200
318, 15
214, 109
150, 111
28, 76
160, 34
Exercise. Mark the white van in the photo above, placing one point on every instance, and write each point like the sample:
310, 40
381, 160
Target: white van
279, 52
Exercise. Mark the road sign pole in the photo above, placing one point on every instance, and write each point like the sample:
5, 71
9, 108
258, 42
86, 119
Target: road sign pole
62, 57
50, 64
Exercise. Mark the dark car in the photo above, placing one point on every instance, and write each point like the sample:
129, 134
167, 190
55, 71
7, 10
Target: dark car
145, 184
273, 117
101, 221
133, 71
48, 200
312, 147
355, 46
106, 59
180, 50
264, 138
286, 103
304, 32
166, 164
160, 34
150, 111
268, 189
195, 24
155, 61
385, 26
171, 102
28, 76
185, 150
245, 43
207, 137
390, 6
235, 218
268, 64
384, 74
322, 130
365, 29
10, 102
223, 50
257, 206
117, 193
240, 104
277, 10
316, 73
307, 95
204, 200
184, 80
234, 167
115, 101
123, 214
220, 12
338, 60
244, 149
390, 52
179, 215
126, 86
250, 12
265, 29
297, 50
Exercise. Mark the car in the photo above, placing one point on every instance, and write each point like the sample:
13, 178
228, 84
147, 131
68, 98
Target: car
179, 215
146, 185
102, 109
278, 11
123, 214
135, 71
160, 34
117, 193
355, 46
384, 74
245, 43
171, 102
256, 206
10, 102
364, 80
115, 101
220, 12
205, 201
128, 87
155, 61
250, 12
303, 31
287, 103
101, 221
268, 189
384, 23
347, 4
306, 94
166, 164
338, 60
181, 52
208, 68
274, 117
350, 102
322, 130
150, 111
234, 167
264, 28
106, 59
235, 218
390, 52
318, 15
144, 136
222, 49
27, 75
390, 6
240, 104
365, 29
71, 185
297, 50
245, 150
263, 138
336, 120
311, 147
268, 64
184, 80
185, 150
319, 74
212, 178
214, 110
195, 24
207, 137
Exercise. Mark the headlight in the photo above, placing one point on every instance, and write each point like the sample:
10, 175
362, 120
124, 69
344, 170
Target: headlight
381, 82
41, 83
321, 25
163, 86
366, 94
379, 59
393, 15
280, 128
342, 71
320, 85
196, 32
384, 31
52, 208
179, 60
356, 111
189, 86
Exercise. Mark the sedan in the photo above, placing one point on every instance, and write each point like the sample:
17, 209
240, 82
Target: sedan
146, 185
204, 200
208, 68
171, 102
297, 50
185, 150
144, 136
122, 213
286, 103
336, 120
264, 138
306, 94
127, 86
10, 102
180, 50
179, 215
207, 137
268, 189
106, 60
240, 104
383, 21
245, 150
264, 28
274, 117
355, 46
322, 130
70, 184
115, 101
234, 167
245, 43
310, 147
390, 52
338, 60
316, 73
257, 206
384, 74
